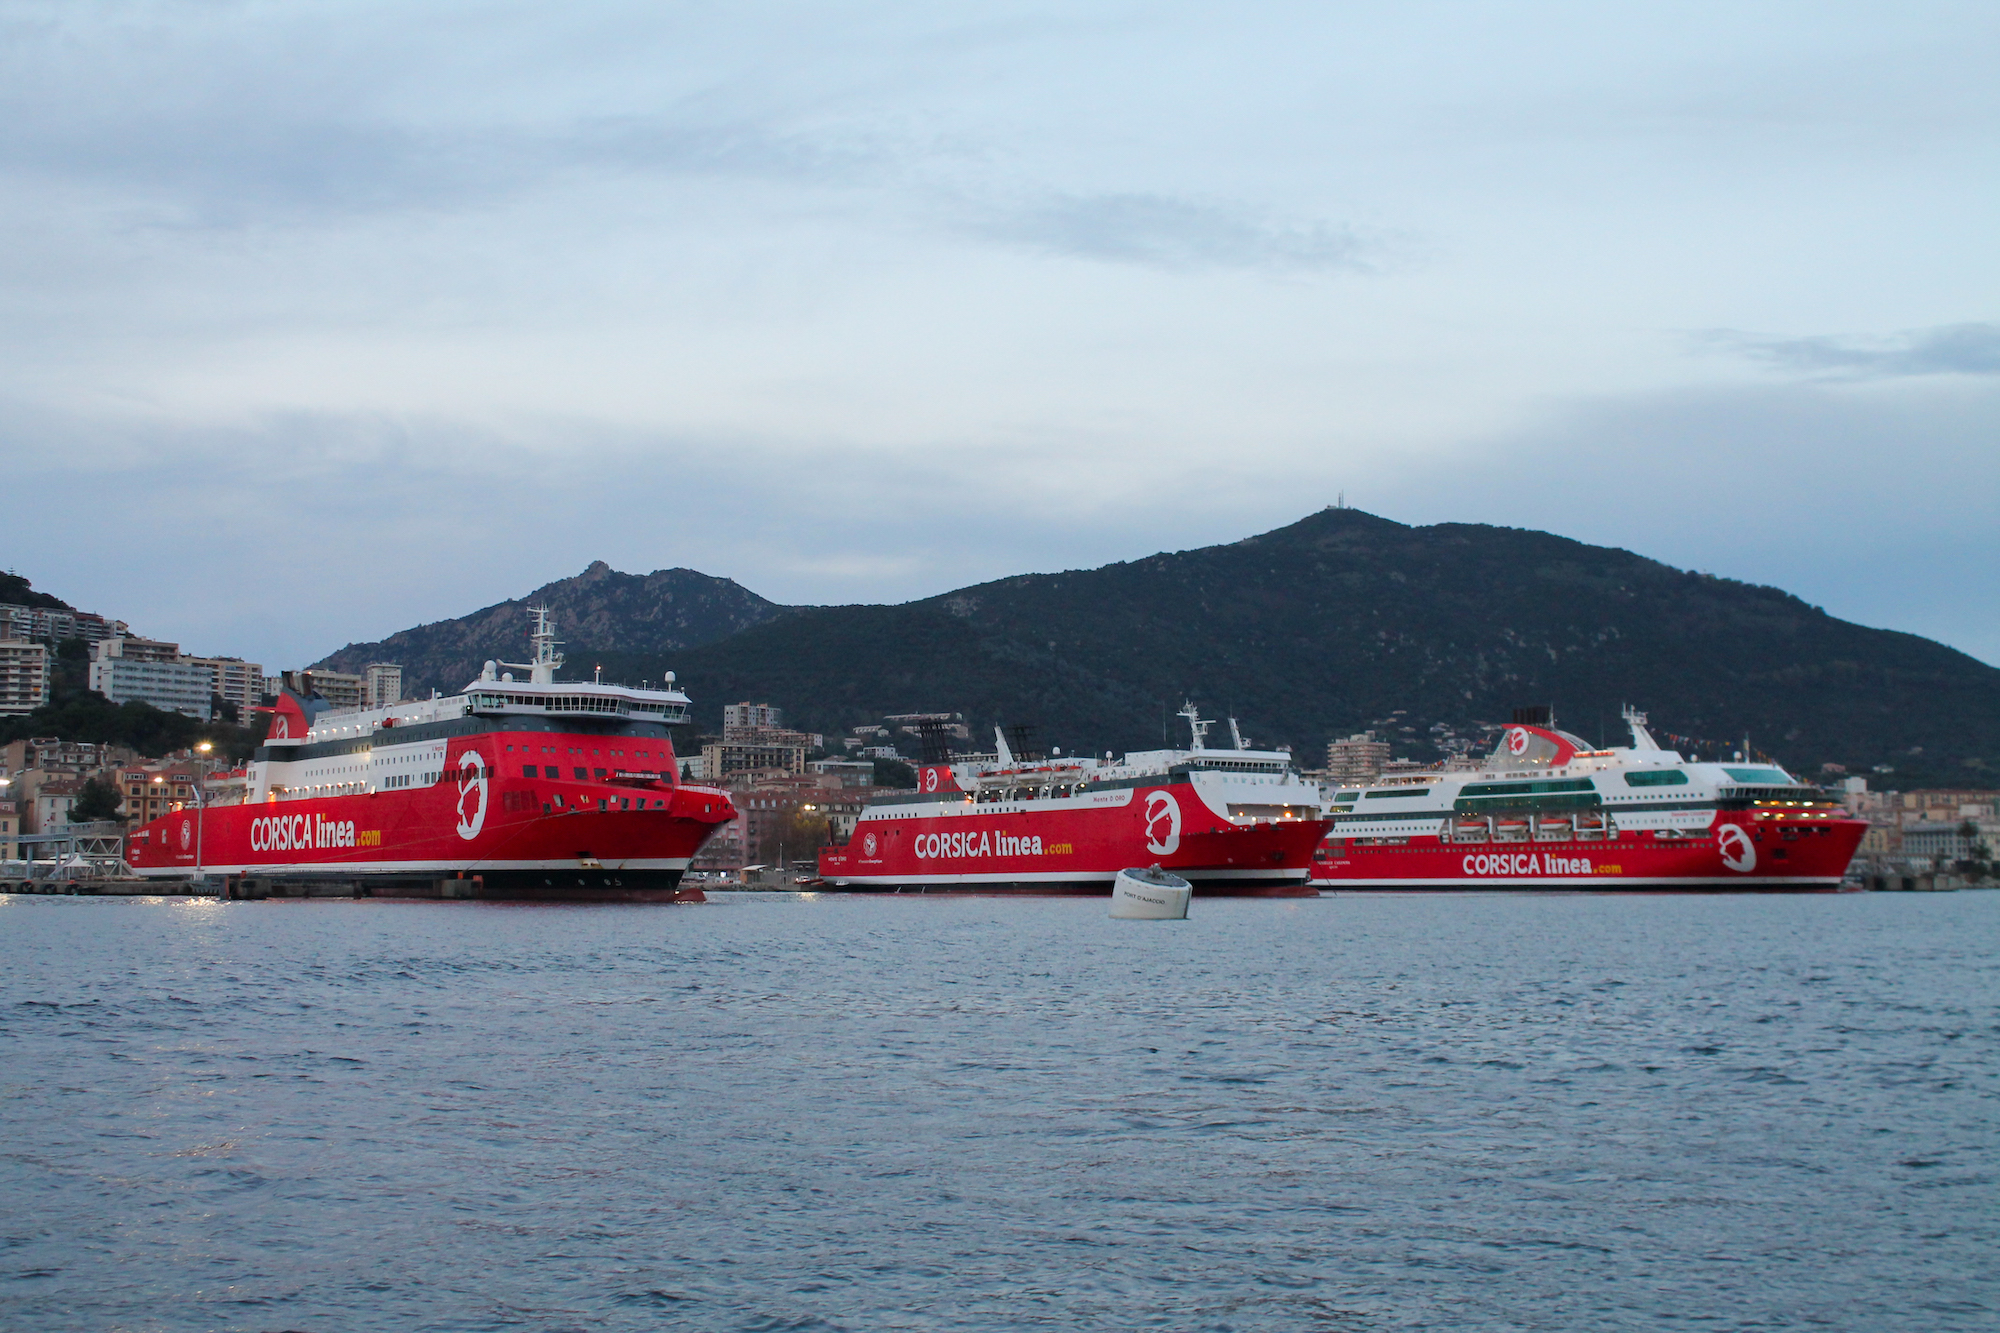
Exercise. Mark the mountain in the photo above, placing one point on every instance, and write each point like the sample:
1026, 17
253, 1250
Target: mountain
599, 611
1344, 620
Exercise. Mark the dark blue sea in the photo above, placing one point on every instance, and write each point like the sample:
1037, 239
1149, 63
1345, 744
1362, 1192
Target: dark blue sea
781, 1113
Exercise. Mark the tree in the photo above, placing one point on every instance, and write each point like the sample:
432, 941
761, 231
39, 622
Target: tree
796, 835
1978, 862
79, 714
99, 799
894, 773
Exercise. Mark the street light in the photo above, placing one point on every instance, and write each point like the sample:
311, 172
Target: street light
200, 807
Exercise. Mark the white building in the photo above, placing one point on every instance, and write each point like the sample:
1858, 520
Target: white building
24, 676
1939, 840
849, 772
1357, 759
51, 625
128, 670
239, 682
383, 684
746, 716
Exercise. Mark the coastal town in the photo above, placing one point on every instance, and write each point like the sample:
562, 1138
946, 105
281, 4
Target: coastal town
67, 804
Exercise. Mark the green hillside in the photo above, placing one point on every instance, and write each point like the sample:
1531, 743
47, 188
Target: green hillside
1338, 621
598, 611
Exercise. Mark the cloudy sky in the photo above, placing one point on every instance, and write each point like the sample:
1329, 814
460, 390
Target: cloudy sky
321, 320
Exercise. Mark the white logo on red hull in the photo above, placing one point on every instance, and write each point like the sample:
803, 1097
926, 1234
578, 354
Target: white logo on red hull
868, 845
1737, 852
471, 788
1163, 824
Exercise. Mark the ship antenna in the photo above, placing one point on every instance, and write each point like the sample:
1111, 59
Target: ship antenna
1195, 725
547, 660
1641, 738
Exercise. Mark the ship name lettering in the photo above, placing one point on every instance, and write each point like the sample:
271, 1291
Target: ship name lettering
299, 833
1526, 863
940, 846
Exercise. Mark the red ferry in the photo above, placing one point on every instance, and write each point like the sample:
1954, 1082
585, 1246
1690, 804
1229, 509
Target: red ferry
513, 789
1546, 811
1232, 821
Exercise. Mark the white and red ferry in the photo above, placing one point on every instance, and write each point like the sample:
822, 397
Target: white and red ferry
512, 789
1546, 811
1229, 821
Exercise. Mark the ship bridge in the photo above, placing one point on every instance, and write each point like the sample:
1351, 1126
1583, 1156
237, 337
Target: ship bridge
506, 698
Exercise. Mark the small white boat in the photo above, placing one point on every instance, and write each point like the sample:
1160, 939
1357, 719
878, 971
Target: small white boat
1150, 895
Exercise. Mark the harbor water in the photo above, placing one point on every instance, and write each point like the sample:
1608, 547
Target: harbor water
782, 1112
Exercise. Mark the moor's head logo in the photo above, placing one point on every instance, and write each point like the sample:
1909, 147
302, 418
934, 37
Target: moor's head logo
471, 794
1737, 851
1163, 824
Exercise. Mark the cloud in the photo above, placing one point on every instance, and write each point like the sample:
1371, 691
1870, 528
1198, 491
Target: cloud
1162, 231
1948, 349
1875, 505
347, 527
333, 527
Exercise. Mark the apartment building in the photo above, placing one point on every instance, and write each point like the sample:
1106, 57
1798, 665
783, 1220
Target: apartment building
24, 676
10, 830
153, 790
125, 669
52, 754
382, 684
744, 717
782, 750
52, 625
1356, 759
52, 802
235, 681
340, 689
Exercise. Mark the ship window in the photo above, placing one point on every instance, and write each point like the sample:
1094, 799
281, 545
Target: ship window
1769, 777
1399, 791
529, 771
1658, 777
1523, 788
600, 774
583, 775
1348, 796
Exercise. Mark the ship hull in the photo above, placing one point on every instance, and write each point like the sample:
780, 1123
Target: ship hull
1759, 857
492, 837
1073, 848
